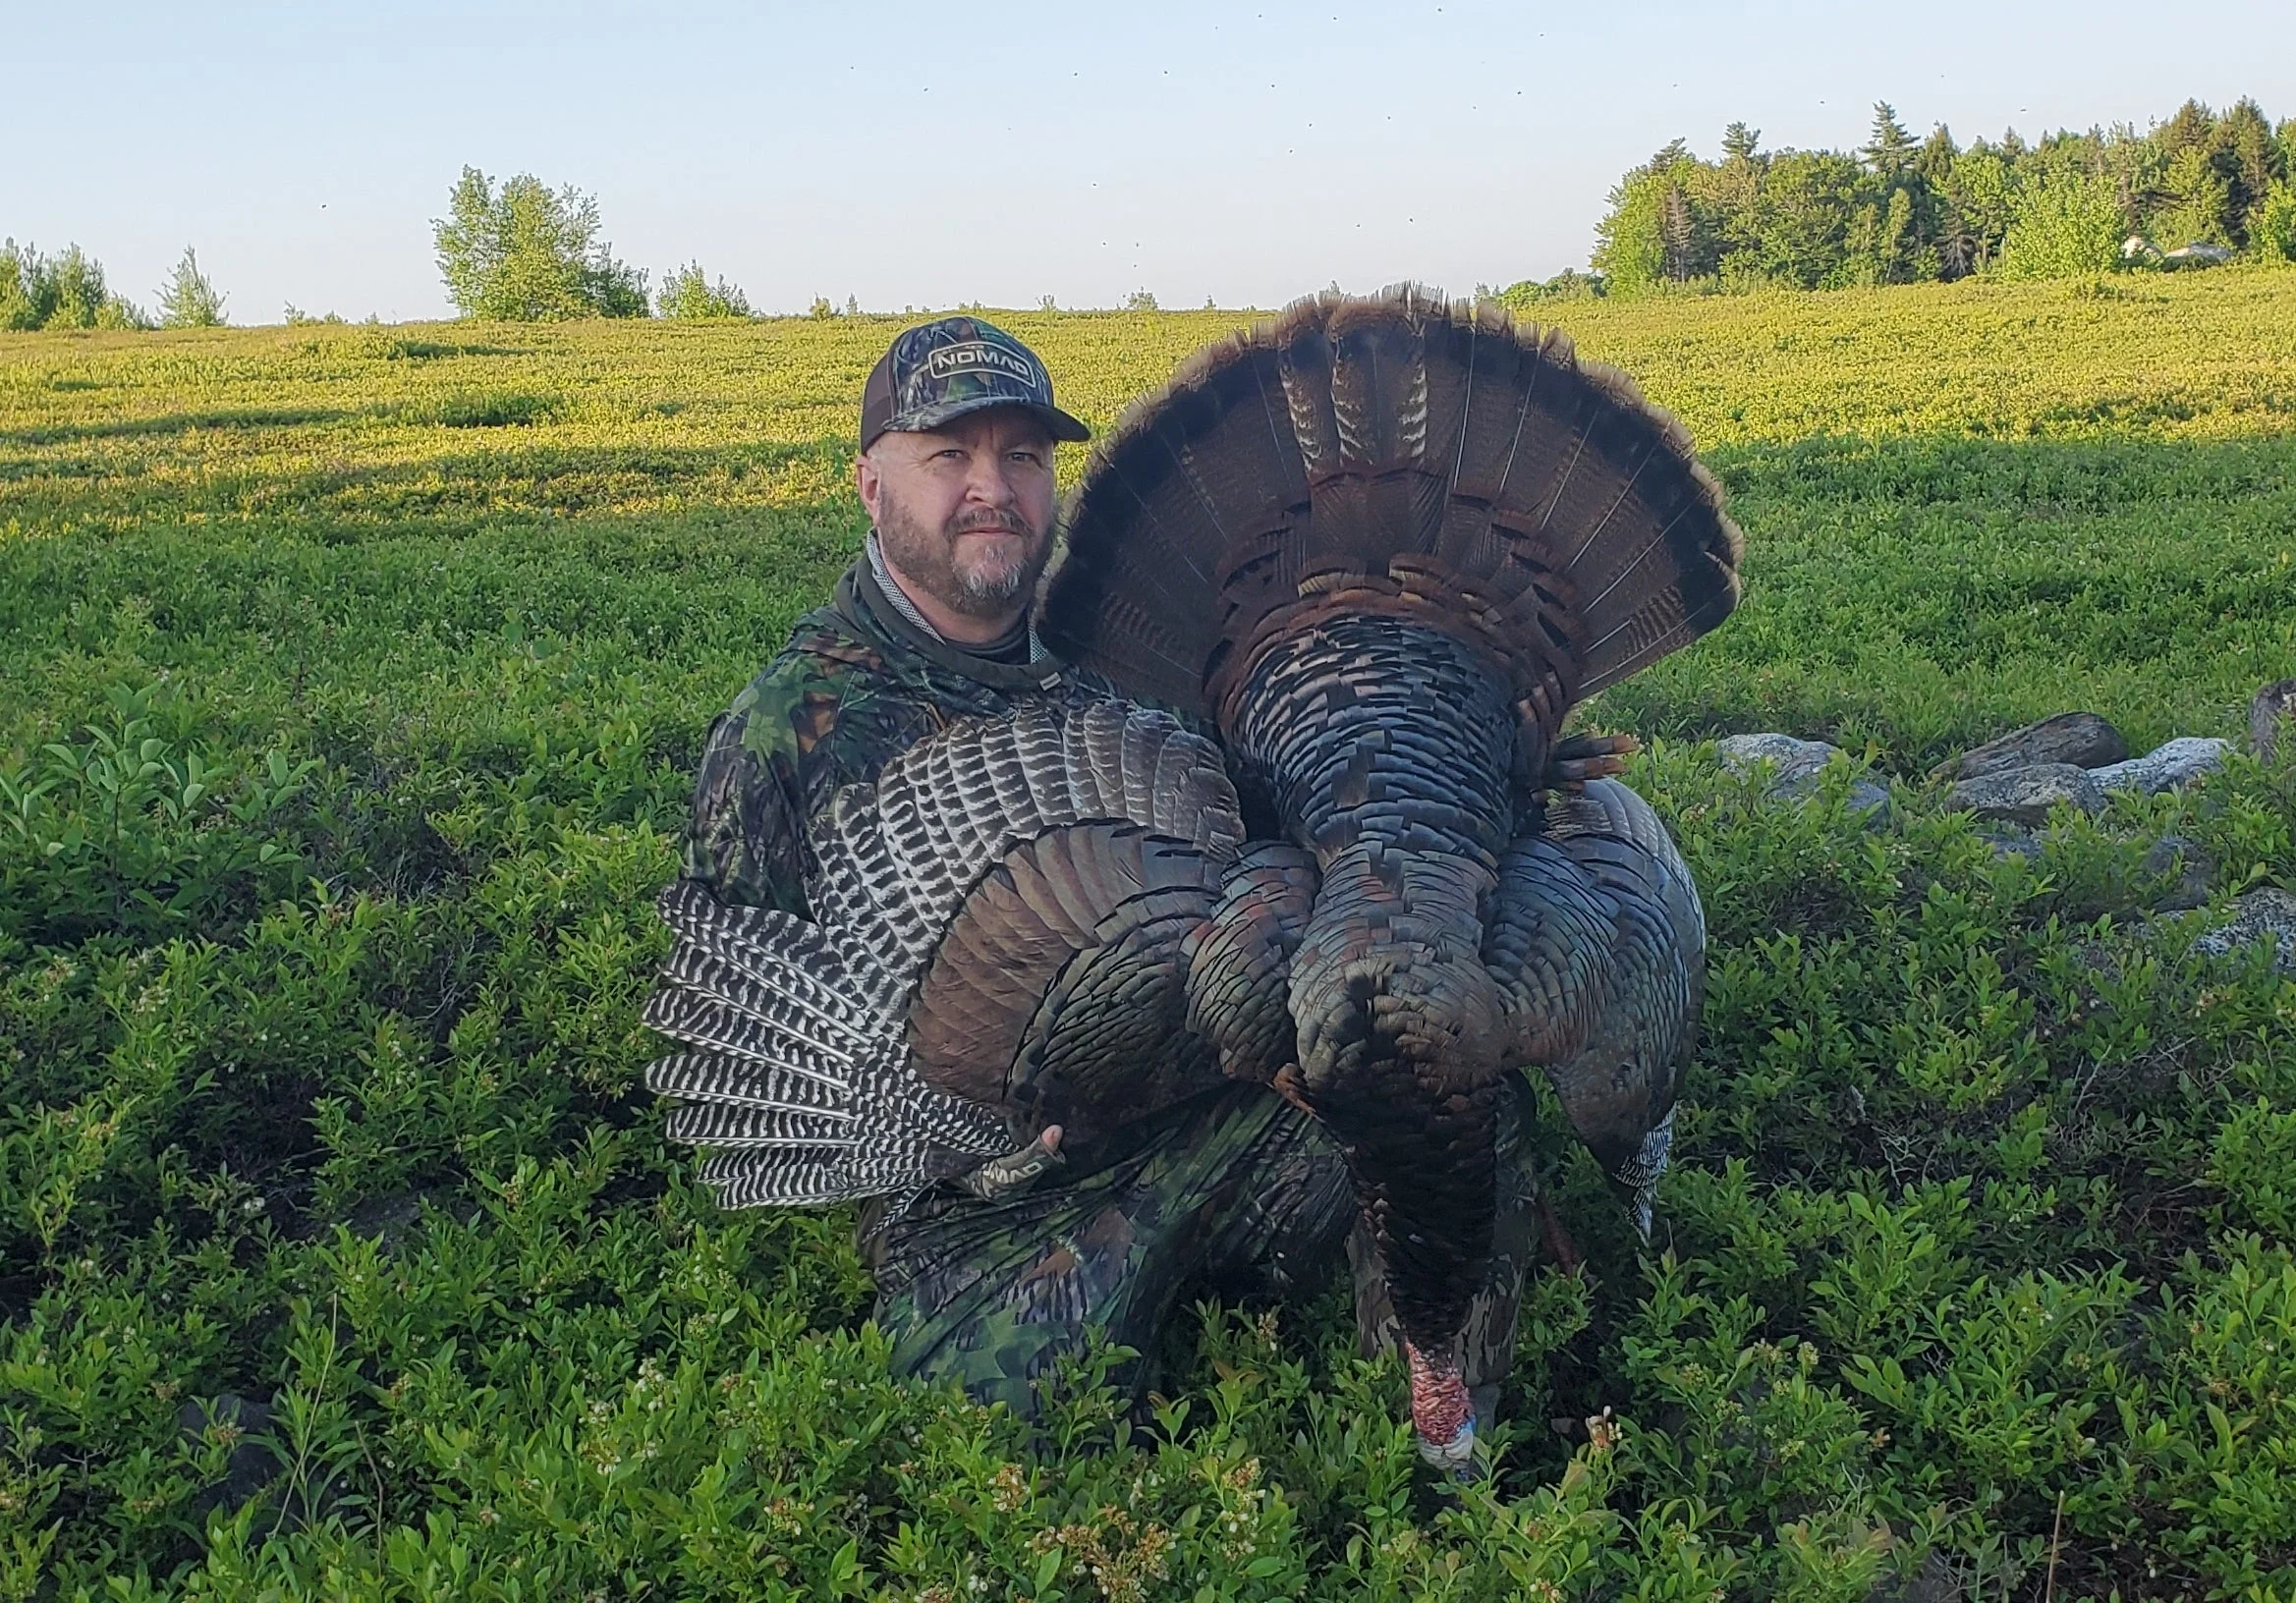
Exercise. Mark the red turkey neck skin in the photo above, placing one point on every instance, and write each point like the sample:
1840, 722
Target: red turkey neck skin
1388, 748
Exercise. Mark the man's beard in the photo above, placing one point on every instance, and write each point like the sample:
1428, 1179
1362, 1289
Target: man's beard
987, 585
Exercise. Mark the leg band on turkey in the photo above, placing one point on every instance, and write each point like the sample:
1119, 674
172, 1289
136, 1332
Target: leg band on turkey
1378, 549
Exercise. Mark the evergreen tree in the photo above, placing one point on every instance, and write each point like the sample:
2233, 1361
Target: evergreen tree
1897, 210
2195, 201
1889, 148
190, 300
26, 294
1934, 160
2249, 158
59, 291
1676, 230
2192, 125
1981, 192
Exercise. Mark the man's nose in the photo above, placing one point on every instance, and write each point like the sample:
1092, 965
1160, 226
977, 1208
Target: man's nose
989, 479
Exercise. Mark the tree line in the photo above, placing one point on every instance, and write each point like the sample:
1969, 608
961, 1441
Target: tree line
67, 290
2202, 186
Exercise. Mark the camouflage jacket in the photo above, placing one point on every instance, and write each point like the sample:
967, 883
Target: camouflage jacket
855, 684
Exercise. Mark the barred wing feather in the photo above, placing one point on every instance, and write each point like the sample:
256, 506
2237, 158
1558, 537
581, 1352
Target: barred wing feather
1006, 923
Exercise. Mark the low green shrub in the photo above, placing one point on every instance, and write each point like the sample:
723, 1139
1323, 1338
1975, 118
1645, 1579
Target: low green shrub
340, 1254
688, 294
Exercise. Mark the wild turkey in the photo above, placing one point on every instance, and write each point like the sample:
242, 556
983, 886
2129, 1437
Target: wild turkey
1383, 546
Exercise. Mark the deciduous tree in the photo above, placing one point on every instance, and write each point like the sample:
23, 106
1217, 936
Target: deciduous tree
528, 254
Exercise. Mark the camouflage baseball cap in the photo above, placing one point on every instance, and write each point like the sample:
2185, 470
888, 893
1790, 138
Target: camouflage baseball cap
942, 369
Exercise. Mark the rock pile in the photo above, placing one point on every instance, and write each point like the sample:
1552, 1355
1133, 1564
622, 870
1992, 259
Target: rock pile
2076, 758
2079, 760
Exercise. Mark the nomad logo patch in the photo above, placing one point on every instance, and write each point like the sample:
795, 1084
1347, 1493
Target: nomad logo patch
981, 356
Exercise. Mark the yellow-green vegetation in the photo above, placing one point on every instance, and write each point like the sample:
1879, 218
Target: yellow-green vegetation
354, 675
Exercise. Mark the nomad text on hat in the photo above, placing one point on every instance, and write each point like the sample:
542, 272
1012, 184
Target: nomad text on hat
942, 369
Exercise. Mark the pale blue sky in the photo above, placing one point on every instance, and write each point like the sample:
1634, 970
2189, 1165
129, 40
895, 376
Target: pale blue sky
915, 154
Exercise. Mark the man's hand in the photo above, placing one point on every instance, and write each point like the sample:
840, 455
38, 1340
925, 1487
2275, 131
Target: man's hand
1016, 1171
1587, 756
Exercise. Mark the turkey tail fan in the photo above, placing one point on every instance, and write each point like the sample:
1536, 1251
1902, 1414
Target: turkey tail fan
1391, 455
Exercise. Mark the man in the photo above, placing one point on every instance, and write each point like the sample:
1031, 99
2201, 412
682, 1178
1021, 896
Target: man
1236, 1189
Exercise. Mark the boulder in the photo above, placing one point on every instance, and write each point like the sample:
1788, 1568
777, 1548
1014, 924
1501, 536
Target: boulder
2184, 876
2268, 914
2169, 766
242, 1421
2270, 718
1934, 1580
2175, 876
1796, 759
2012, 843
2198, 253
2025, 795
1799, 764
2080, 739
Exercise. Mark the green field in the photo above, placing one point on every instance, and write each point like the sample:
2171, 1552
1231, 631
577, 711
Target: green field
352, 676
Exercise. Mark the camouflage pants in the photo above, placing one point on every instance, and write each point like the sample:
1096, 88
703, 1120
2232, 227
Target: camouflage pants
1233, 1193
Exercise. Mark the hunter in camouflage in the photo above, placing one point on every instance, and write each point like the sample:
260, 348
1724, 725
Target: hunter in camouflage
1235, 1192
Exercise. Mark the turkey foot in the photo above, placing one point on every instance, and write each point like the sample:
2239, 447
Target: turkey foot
1015, 1171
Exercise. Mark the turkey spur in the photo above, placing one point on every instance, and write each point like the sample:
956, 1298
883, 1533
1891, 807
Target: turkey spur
1382, 546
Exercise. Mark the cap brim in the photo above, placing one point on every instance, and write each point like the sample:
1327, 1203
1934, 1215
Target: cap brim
924, 419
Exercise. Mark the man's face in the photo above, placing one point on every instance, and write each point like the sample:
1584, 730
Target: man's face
965, 512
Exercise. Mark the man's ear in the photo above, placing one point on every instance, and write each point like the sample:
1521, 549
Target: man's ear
865, 481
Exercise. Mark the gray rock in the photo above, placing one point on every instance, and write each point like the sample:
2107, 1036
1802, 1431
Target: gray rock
2271, 716
2198, 253
1796, 759
1934, 1580
1799, 764
251, 1464
2025, 795
2080, 739
2175, 876
2012, 842
2185, 875
2169, 766
2268, 914
387, 1219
